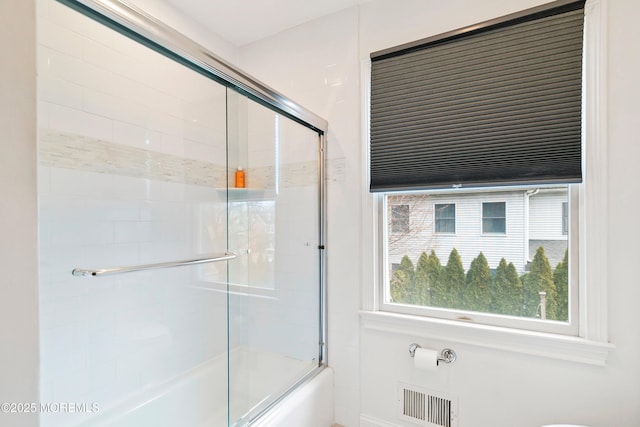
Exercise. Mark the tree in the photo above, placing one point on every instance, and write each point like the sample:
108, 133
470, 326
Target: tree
428, 272
403, 287
398, 286
475, 291
561, 280
506, 295
422, 280
406, 219
447, 290
434, 272
540, 279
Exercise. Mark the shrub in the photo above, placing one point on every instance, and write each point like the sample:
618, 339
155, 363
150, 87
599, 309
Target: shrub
475, 292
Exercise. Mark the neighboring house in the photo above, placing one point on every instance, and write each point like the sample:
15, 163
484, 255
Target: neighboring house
501, 224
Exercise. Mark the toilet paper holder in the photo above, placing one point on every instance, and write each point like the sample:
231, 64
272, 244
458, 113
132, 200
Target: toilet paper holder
446, 355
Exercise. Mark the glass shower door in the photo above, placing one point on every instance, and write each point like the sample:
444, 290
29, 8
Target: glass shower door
274, 228
132, 171
138, 154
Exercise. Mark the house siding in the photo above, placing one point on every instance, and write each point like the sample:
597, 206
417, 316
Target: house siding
469, 239
545, 215
545, 224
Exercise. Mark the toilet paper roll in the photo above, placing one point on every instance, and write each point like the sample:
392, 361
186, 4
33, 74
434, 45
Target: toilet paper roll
425, 359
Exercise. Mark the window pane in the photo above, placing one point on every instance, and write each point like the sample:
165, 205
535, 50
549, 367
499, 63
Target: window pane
400, 218
445, 226
445, 216
493, 210
493, 218
524, 273
494, 225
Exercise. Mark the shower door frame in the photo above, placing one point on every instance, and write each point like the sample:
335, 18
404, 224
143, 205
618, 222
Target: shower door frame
136, 24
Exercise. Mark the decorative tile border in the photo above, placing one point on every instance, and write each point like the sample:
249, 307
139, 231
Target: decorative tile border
70, 151
76, 152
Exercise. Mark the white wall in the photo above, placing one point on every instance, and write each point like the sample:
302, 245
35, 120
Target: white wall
318, 65
174, 18
131, 148
18, 211
132, 157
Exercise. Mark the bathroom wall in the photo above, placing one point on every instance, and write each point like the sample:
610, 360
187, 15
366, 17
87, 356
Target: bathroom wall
132, 170
18, 212
173, 17
320, 64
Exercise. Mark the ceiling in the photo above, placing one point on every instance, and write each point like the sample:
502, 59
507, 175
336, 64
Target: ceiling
244, 21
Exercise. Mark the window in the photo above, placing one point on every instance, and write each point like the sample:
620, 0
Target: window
445, 218
434, 132
428, 270
400, 219
565, 218
588, 344
494, 219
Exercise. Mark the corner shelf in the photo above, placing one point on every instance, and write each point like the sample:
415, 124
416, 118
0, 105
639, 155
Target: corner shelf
239, 194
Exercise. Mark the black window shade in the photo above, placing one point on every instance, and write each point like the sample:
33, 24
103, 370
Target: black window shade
497, 106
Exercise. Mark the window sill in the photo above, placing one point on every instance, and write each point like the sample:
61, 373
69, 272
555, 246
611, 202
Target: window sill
559, 347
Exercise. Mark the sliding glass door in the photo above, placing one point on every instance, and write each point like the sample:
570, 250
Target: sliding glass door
274, 284
180, 234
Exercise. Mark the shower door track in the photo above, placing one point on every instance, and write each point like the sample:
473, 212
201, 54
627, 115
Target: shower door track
142, 27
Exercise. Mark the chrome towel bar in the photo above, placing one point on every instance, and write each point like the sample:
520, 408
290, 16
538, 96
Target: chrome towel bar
82, 272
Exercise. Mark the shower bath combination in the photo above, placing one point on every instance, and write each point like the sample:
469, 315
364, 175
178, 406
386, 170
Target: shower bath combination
171, 294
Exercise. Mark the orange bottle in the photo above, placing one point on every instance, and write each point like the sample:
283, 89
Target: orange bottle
240, 178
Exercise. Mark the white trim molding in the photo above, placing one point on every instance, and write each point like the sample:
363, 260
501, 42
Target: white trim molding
371, 421
594, 201
554, 346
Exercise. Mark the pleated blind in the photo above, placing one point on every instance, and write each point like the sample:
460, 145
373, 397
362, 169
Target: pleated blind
495, 106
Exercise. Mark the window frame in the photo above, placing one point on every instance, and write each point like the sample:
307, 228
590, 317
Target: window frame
435, 218
570, 328
494, 233
591, 345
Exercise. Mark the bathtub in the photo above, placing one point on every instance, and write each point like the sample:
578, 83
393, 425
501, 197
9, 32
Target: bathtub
310, 405
198, 398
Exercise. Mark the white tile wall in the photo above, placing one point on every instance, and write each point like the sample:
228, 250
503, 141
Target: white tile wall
103, 97
105, 338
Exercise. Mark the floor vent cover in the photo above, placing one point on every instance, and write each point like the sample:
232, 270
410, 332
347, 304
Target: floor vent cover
426, 408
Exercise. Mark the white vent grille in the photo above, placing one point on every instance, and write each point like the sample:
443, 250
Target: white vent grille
414, 405
426, 408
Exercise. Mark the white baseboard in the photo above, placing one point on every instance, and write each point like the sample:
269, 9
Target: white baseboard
370, 421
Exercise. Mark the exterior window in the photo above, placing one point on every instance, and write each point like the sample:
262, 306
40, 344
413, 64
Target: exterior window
445, 218
524, 275
400, 219
494, 218
459, 262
